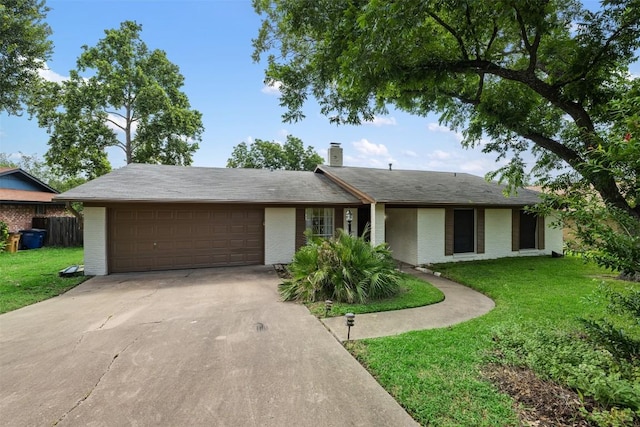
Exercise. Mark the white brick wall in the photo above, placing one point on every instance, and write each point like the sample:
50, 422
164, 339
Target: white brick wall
95, 241
401, 234
554, 237
497, 230
279, 235
417, 236
430, 236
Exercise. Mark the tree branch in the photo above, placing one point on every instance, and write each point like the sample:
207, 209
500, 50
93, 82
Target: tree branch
529, 79
532, 48
565, 153
451, 31
115, 124
596, 58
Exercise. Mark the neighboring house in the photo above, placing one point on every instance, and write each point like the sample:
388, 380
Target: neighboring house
24, 197
154, 217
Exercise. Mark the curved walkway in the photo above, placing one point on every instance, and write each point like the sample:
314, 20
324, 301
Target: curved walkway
460, 304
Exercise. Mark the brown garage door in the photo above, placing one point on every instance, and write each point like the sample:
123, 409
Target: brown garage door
157, 237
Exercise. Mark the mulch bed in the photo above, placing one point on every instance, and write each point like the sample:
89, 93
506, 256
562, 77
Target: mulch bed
538, 403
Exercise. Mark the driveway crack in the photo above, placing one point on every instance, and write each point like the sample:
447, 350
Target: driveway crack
88, 394
105, 322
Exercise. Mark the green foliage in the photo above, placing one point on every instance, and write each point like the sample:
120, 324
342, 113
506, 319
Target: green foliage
567, 358
603, 232
4, 235
619, 331
40, 170
130, 98
32, 275
344, 268
24, 48
524, 75
435, 374
601, 361
271, 155
413, 292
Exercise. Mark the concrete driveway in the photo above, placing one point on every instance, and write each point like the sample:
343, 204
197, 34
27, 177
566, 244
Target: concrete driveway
210, 347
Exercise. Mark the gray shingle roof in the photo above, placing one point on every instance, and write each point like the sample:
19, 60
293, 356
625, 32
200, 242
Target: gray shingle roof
161, 183
426, 187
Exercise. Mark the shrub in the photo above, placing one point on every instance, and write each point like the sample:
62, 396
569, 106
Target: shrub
344, 268
569, 358
4, 235
619, 331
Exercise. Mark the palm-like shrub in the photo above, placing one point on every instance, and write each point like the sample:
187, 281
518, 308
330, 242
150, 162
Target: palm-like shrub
344, 268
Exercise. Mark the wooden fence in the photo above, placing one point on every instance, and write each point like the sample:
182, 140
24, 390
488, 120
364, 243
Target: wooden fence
61, 231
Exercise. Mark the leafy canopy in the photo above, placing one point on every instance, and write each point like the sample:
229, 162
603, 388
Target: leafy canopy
33, 165
130, 99
271, 155
24, 47
548, 77
530, 75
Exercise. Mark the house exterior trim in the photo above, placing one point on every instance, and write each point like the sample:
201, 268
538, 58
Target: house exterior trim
95, 241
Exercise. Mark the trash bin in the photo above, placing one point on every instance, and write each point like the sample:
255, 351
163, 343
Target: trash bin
33, 238
13, 242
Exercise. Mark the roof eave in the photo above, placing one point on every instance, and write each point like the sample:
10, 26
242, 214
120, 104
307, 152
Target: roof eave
206, 201
364, 198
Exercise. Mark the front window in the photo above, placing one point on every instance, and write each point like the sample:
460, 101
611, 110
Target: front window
320, 221
463, 231
528, 230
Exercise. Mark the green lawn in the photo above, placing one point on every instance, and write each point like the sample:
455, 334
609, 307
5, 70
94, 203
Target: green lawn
414, 293
31, 275
436, 374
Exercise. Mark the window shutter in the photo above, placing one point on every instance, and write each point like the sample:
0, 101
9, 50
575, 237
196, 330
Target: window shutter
515, 230
480, 230
541, 231
300, 227
448, 231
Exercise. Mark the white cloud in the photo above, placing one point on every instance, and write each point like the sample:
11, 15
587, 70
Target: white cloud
272, 88
481, 166
441, 155
435, 127
368, 148
382, 121
120, 121
284, 133
51, 76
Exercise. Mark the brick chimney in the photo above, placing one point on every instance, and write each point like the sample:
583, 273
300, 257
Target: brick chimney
335, 154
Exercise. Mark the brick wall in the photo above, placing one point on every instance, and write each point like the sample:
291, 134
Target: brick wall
18, 217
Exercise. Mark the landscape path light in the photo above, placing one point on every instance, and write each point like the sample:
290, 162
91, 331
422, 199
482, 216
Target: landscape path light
351, 320
327, 307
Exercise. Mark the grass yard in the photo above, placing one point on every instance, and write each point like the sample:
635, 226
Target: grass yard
414, 293
31, 275
437, 374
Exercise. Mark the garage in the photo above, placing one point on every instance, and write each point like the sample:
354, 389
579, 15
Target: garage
148, 237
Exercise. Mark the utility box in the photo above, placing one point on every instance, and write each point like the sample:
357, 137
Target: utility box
33, 238
13, 242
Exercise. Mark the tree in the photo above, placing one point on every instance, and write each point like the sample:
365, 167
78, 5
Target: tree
130, 100
24, 48
33, 165
271, 155
539, 76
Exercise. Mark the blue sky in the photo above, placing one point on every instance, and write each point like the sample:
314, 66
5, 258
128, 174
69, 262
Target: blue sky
210, 40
